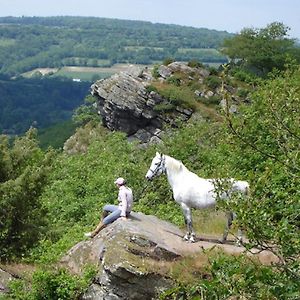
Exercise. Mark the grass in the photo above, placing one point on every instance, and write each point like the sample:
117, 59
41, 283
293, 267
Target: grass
209, 222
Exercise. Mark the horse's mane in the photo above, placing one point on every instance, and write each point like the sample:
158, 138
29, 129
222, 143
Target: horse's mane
174, 164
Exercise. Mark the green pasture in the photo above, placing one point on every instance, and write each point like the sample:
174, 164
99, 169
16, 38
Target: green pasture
204, 51
88, 62
7, 42
82, 73
141, 48
85, 74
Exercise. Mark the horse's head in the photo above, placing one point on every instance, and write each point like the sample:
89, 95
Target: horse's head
157, 166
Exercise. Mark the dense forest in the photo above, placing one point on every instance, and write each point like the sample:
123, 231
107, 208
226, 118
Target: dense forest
30, 42
49, 198
38, 102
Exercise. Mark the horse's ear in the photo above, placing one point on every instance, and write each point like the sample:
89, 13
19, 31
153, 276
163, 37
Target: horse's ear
157, 154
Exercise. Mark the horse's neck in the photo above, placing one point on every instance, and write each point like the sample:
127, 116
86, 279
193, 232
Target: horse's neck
173, 170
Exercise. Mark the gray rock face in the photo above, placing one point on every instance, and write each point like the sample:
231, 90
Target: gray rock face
5, 278
125, 104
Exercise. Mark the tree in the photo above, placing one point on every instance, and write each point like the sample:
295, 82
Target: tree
265, 146
24, 173
262, 49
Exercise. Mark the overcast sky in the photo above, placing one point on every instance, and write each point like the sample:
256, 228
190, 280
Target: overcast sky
228, 15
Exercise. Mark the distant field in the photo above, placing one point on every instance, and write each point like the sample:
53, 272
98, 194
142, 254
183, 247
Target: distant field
41, 71
79, 61
199, 50
7, 42
82, 73
139, 48
85, 73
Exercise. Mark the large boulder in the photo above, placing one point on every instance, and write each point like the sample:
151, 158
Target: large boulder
134, 257
129, 255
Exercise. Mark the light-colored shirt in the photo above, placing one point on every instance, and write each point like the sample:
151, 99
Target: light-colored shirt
125, 200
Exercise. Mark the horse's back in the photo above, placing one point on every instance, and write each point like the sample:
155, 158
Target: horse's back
194, 191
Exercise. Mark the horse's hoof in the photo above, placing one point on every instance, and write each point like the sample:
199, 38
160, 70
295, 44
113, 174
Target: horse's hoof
239, 243
192, 240
186, 237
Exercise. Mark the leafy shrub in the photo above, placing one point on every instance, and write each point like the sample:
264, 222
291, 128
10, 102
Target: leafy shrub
195, 64
52, 285
87, 112
213, 71
212, 81
151, 88
24, 174
155, 72
183, 97
164, 107
175, 80
168, 61
238, 277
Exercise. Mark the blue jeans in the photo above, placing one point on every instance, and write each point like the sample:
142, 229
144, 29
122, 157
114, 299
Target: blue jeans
115, 213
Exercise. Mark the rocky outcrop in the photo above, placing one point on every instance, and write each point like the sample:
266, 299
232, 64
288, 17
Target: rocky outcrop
125, 104
129, 255
128, 102
5, 279
134, 257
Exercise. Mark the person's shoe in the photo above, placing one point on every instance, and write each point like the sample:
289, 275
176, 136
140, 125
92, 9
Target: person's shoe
88, 234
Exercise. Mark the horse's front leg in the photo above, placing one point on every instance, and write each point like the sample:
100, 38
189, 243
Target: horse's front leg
190, 235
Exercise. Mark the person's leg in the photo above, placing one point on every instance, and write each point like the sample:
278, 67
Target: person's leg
105, 219
113, 216
108, 208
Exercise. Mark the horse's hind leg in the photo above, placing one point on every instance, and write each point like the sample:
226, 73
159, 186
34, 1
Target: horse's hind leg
239, 241
230, 217
190, 235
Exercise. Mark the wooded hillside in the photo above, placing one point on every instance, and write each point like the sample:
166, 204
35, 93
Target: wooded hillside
30, 42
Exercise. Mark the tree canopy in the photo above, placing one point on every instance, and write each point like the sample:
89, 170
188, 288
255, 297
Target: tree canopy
262, 49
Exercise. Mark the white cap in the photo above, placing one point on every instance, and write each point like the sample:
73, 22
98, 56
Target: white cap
120, 181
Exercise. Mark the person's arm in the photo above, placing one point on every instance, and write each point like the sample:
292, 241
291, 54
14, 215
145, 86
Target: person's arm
123, 201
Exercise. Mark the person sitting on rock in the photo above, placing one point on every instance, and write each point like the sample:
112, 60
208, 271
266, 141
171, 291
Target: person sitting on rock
113, 212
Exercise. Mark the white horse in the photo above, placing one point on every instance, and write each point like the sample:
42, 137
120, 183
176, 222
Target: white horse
191, 191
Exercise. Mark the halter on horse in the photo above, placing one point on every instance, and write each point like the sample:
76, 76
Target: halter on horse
191, 191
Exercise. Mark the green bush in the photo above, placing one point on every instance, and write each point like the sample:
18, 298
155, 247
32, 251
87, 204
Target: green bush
25, 170
168, 61
230, 277
155, 73
52, 285
175, 80
179, 96
195, 64
151, 88
212, 81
